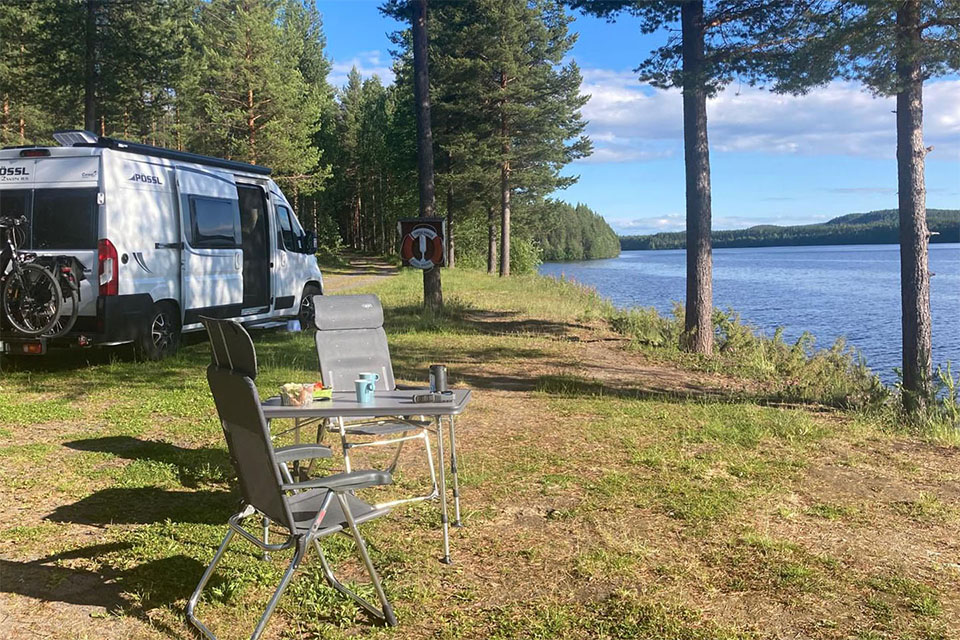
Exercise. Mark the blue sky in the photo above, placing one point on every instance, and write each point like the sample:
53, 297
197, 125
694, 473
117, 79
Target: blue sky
774, 159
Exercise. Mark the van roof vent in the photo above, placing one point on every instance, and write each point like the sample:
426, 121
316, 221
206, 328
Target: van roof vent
70, 137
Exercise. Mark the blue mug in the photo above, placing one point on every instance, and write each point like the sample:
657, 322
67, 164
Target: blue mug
373, 377
365, 390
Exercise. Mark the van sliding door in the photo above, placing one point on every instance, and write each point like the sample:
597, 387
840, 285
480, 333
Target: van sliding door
211, 262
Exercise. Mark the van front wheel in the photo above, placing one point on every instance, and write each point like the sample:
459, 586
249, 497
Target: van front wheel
306, 307
160, 335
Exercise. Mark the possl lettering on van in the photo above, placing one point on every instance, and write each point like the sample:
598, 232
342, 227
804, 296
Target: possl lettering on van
13, 171
139, 177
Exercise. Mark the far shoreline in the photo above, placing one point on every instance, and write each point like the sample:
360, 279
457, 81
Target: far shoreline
763, 246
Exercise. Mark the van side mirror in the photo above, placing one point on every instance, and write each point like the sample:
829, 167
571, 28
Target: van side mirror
310, 244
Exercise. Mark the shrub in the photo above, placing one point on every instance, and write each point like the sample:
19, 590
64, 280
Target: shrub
796, 372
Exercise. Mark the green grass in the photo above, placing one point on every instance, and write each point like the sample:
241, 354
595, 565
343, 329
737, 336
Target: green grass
593, 510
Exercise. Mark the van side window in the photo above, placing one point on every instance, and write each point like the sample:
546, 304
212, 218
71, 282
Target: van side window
287, 238
299, 235
214, 223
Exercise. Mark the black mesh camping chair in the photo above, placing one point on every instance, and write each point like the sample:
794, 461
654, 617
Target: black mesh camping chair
308, 510
351, 340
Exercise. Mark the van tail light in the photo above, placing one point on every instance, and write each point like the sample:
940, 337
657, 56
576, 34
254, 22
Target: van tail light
107, 259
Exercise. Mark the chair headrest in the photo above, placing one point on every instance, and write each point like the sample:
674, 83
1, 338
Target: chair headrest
347, 312
231, 346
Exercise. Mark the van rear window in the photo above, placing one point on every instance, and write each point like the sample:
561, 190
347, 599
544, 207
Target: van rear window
13, 203
64, 219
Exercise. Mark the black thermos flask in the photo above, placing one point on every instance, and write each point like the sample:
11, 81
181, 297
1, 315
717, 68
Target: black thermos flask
438, 378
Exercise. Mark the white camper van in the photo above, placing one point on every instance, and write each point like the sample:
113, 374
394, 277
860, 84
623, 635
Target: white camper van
165, 237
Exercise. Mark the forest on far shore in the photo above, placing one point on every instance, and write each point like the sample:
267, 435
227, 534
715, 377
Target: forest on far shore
875, 227
576, 233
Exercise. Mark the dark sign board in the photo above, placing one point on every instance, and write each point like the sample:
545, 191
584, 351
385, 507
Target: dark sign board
422, 242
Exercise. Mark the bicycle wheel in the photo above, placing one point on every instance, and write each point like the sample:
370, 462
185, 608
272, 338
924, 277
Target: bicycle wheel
68, 314
32, 299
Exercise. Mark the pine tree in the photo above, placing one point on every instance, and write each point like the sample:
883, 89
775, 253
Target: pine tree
23, 119
536, 101
247, 97
717, 42
531, 100
415, 12
892, 47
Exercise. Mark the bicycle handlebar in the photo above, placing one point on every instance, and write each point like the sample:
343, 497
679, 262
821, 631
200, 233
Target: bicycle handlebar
7, 221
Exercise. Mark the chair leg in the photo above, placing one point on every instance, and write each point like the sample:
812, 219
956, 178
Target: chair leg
386, 612
342, 588
434, 492
294, 563
265, 524
396, 456
195, 598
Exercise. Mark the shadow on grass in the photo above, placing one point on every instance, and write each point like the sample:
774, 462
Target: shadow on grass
194, 466
134, 591
145, 505
566, 385
464, 318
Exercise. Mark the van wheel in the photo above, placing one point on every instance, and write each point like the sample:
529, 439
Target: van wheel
306, 307
160, 335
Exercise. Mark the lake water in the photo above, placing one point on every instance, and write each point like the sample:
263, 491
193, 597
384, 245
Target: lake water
849, 291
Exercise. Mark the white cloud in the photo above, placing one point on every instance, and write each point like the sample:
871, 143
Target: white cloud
629, 121
368, 63
677, 222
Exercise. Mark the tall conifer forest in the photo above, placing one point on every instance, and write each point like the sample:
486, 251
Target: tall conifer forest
249, 80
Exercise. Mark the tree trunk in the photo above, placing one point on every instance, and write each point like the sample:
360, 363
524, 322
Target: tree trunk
914, 268
5, 121
251, 126
432, 292
698, 323
451, 259
179, 127
504, 182
491, 240
505, 218
90, 69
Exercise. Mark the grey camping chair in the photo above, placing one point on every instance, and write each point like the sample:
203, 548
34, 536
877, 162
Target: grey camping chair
232, 348
351, 340
309, 510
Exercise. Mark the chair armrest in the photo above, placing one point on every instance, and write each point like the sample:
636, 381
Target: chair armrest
411, 387
302, 452
343, 481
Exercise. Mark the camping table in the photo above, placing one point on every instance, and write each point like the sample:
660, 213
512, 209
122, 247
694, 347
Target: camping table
386, 404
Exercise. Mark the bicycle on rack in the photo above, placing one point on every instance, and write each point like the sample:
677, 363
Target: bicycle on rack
69, 271
31, 295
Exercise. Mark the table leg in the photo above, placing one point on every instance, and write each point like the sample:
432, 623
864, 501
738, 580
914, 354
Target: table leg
320, 434
296, 440
456, 480
443, 492
344, 444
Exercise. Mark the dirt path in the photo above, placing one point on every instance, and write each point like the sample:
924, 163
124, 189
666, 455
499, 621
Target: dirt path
363, 270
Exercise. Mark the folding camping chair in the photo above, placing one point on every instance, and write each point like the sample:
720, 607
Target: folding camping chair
309, 510
351, 340
232, 348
